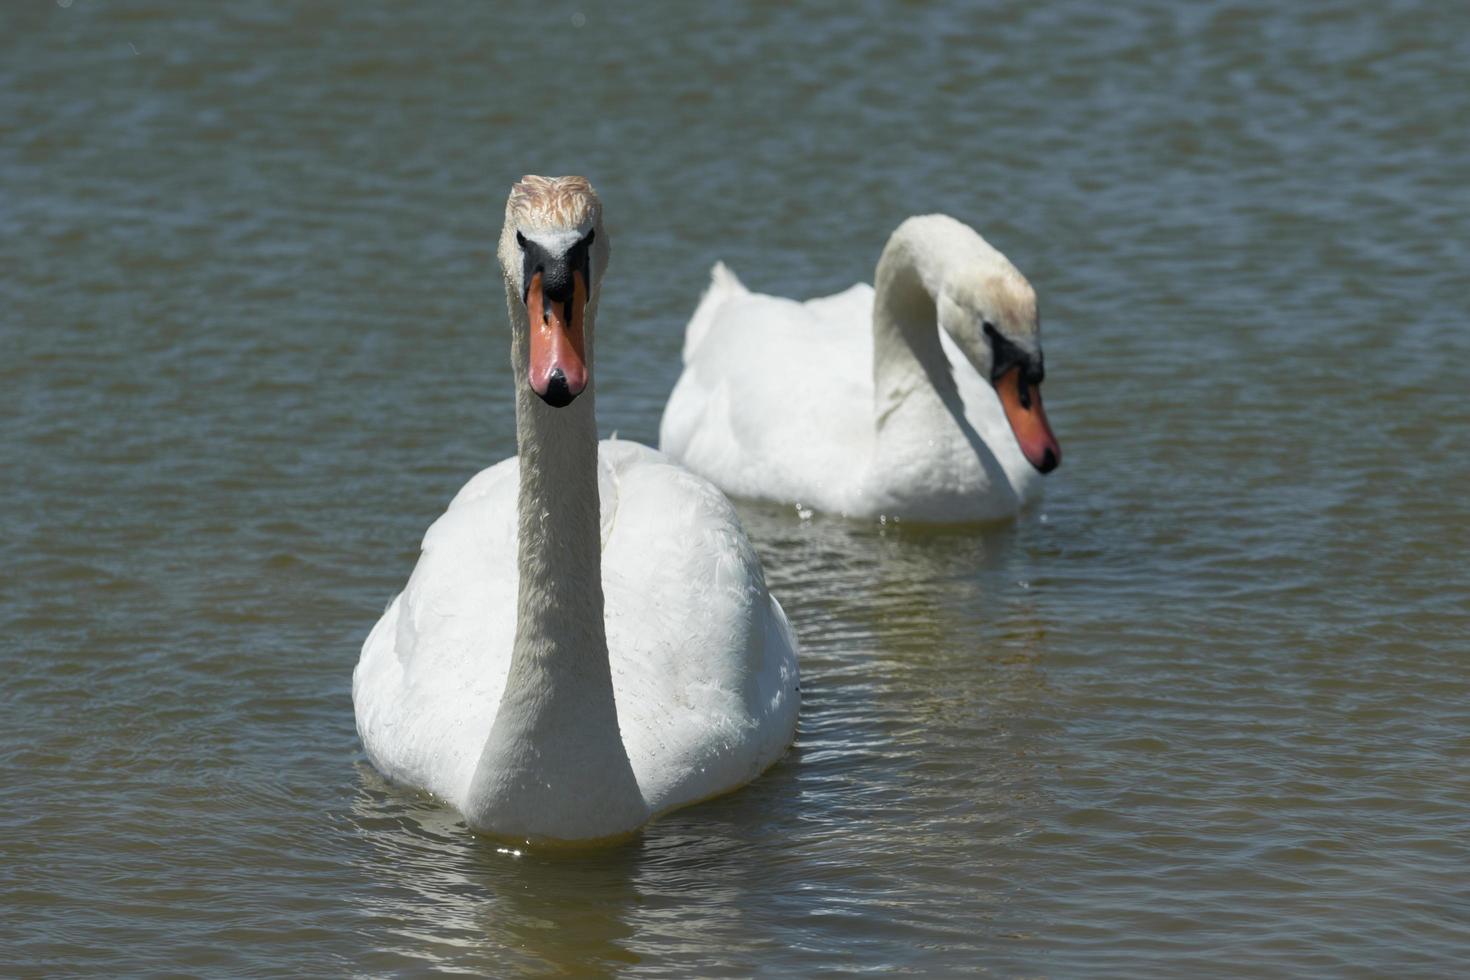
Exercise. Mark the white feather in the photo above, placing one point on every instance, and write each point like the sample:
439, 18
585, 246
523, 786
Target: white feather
777, 402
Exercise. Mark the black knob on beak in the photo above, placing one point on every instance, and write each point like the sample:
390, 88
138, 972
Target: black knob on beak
558, 392
556, 281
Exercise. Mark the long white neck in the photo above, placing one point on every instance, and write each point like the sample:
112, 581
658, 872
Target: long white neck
555, 766
907, 356
559, 625
913, 388
928, 456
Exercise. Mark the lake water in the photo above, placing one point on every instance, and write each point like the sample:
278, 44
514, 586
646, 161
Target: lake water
1205, 711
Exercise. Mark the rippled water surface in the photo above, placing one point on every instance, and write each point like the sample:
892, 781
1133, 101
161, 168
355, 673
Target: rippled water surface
1205, 711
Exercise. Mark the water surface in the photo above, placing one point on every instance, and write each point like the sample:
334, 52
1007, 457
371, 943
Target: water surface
1204, 711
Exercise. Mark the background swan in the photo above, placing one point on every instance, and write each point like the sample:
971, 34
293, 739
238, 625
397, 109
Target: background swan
587, 640
920, 400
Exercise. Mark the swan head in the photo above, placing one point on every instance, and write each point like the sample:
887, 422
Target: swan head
553, 251
990, 313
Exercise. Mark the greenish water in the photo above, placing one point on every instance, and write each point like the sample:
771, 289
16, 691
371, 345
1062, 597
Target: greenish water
1203, 712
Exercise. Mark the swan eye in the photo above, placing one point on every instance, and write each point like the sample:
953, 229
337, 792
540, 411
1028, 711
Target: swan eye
521, 241
583, 246
580, 254
1003, 354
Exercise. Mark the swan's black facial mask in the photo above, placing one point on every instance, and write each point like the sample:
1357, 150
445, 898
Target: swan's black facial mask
556, 270
1005, 355
1016, 376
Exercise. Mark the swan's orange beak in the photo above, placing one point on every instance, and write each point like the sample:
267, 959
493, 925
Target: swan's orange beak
1022, 402
558, 369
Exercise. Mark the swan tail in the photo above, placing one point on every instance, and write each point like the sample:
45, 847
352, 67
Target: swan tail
723, 285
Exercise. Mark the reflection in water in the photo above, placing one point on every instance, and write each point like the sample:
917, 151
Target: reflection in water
453, 897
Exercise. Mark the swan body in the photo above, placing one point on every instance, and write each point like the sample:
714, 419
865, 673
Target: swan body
587, 640
703, 671
887, 401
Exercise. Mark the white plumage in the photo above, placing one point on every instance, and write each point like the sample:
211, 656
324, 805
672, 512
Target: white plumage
702, 656
487, 683
777, 400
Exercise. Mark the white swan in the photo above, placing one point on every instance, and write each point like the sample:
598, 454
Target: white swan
587, 640
919, 400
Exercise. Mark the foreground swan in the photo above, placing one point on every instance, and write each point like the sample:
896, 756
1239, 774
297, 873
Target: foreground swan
587, 640
919, 401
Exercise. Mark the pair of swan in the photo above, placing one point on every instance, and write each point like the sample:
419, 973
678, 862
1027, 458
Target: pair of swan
587, 640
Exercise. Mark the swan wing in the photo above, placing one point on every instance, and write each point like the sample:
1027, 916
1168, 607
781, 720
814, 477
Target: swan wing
703, 658
433, 669
775, 401
724, 286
